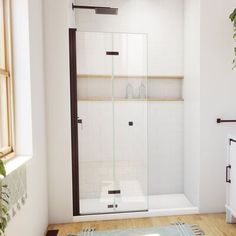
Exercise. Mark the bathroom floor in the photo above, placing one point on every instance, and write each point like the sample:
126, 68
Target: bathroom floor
212, 224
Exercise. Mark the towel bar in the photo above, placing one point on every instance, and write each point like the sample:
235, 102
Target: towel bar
218, 120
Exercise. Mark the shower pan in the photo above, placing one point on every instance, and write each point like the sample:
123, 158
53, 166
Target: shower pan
112, 125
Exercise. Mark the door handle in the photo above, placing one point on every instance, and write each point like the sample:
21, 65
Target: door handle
114, 192
228, 180
112, 53
131, 123
80, 121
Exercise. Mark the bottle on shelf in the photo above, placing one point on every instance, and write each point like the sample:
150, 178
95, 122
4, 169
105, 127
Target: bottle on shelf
129, 91
142, 91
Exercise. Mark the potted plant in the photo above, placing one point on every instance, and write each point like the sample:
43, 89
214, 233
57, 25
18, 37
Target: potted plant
4, 200
233, 20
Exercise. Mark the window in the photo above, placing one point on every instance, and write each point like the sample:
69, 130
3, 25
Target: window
6, 83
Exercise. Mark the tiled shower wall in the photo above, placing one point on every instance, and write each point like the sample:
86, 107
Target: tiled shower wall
154, 151
162, 21
96, 178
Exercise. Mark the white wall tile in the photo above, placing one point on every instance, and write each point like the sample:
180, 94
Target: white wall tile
159, 142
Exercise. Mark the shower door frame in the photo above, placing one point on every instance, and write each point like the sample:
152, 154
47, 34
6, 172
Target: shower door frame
74, 130
74, 121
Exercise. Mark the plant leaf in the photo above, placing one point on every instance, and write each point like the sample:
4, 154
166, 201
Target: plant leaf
2, 169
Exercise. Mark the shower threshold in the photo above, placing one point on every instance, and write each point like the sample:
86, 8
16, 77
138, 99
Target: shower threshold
159, 205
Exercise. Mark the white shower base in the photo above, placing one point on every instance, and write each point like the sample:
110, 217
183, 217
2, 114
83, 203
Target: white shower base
169, 201
159, 205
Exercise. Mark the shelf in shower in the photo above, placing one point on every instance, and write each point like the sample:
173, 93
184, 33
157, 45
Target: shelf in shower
153, 77
130, 100
165, 100
177, 77
90, 76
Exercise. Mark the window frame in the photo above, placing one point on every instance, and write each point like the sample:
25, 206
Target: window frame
8, 152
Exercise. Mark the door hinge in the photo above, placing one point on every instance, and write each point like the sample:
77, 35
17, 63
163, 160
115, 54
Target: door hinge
231, 140
228, 180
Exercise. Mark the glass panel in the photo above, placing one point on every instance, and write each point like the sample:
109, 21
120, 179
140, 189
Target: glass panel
130, 121
95, 127
112, 110
2, 47
4, 141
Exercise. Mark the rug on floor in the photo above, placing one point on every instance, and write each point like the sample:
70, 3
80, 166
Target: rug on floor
175, 229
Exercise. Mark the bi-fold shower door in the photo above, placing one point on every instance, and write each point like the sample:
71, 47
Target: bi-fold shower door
112, 122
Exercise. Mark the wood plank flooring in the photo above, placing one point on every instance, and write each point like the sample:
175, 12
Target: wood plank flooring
212, 224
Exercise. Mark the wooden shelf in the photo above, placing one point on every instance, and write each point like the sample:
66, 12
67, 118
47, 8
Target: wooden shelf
178, 77
165, 100
128, 100
88, 76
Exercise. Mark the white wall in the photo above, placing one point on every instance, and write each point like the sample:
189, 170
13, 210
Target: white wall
57, 21
218, 99
165, 139
209, 93
29, 72
22, 84
161, 20
191, 99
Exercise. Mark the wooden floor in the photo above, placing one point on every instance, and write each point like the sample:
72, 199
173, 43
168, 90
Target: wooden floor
212, 224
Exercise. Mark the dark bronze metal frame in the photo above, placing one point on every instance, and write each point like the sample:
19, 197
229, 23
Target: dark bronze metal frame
74, 124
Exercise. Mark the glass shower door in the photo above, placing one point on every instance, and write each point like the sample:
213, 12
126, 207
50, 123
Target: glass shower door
112, 122
95, 122
130, 122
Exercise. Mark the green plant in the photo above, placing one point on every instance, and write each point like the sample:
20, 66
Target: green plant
4, 200
233, 20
